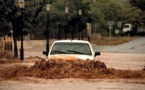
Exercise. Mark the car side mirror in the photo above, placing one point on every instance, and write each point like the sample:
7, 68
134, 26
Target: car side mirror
45, 53
97, 54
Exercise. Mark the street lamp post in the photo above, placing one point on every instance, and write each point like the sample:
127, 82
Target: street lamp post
66, 12
89, 27
80, 13
47, 31
21, 4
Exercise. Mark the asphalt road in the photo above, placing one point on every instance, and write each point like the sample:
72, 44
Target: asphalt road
135, 46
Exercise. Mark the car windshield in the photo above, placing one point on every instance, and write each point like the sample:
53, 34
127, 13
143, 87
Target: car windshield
126, 26
71, 48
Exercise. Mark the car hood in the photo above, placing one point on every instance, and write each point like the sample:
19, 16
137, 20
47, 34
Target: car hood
71, 57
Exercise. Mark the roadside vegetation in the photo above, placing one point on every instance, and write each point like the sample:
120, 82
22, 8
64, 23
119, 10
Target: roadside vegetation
96, 12
111, 41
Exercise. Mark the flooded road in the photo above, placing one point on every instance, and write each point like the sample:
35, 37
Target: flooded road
126, 56
124, 61
112, 60
74, 84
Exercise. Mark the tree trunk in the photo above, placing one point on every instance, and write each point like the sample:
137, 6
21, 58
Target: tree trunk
79, 37
15, 43
15, 48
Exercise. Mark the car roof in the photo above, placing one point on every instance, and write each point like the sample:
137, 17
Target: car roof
73, 41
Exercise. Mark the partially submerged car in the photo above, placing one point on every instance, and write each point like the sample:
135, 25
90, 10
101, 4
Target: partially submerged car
71, 48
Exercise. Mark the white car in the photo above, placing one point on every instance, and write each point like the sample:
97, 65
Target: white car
76, 48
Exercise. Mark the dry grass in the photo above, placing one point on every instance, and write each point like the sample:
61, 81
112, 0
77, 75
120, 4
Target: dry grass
105, 40
111, 41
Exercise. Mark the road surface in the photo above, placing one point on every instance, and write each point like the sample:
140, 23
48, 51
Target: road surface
135, 46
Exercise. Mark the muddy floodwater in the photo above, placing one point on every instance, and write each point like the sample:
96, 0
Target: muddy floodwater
132, 61
128, 62
73, 84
